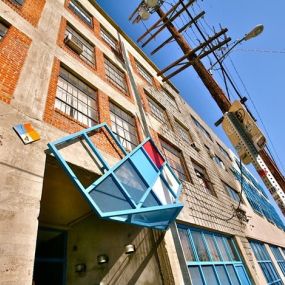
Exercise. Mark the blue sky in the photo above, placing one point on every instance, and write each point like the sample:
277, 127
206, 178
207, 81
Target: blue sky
259, 65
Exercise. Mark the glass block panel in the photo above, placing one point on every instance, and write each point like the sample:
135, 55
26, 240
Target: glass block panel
221, 271
200, 246
232, 274
209, 275
108, 196
132, 182
187, 248
196, 276
212, 247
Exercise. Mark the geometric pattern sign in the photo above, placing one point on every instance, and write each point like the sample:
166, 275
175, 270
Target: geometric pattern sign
141, 189
27, 133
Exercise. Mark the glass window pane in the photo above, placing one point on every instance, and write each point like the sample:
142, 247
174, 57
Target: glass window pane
231, 249
232, 275
196, 276
222, 248
187, 248
200, 246
209, 275
221, 271
212, 247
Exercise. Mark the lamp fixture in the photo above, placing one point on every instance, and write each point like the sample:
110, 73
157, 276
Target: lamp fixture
102, 259
130, 248
80, 268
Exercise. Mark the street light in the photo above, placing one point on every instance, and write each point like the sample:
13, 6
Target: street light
256, 31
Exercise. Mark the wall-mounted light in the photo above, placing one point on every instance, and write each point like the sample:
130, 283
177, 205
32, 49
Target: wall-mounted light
130, 248
102, 259
80, 268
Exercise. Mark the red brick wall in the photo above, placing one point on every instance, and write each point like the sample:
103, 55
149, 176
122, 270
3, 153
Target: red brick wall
30, 10
13, 51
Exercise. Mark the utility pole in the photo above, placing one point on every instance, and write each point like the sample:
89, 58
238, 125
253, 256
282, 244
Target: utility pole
265, 166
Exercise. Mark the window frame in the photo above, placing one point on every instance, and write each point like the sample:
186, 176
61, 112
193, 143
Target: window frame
182, 176
230, 190
81, 12
119, 74
169, 98
81, 38
217, 251
157, 110
264, 261
4, 30
70, 95
108, 38
202, 128
127, 143
142, 71
279, 257
202, 172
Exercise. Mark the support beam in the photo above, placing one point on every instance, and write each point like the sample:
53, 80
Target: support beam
180, 31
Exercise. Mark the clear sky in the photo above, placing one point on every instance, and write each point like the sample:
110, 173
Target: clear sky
260, 62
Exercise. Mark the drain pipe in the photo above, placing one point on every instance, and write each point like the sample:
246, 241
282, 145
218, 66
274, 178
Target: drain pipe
173, 226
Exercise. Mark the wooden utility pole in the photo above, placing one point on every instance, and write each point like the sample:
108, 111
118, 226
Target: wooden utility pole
216, 92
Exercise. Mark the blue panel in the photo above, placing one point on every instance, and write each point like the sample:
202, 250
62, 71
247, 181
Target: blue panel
232, 275
221, 271
209, 274
150, 201
129, 178
144, 166
108, 196
196, 276
242, 275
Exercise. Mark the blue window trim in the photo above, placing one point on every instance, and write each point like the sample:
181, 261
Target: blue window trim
125, 215
279, 257
262, 256
200, 264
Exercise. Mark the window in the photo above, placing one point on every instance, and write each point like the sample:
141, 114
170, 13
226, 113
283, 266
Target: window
279, 257
108, 38
212, 258
19, 2
259, 203
76, 98
142, 71
232, 193
88, 49
3, 30
219, 161
169, 98
224, 151
175, 160
116, 76
201, 128
203, 178
124, 126
183, 132
265, 263
157, 111
81, 12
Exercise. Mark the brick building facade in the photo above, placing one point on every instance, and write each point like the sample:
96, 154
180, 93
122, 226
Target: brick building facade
66, 66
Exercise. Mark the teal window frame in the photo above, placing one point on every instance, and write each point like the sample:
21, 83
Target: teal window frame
280, 259
262, 256
226, 260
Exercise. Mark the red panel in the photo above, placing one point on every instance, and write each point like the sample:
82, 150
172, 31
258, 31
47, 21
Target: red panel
153, 154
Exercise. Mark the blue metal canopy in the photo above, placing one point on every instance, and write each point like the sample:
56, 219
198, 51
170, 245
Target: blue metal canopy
141, 189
